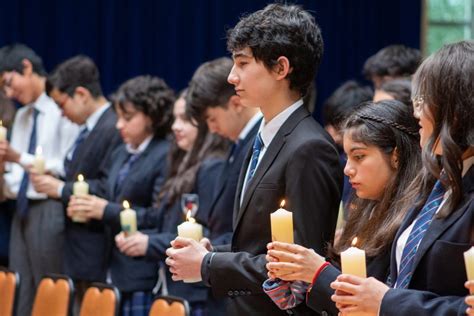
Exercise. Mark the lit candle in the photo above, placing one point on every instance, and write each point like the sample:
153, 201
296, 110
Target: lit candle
193, 230
39, 163
353, 261
190, 229
3, 132
469, 260
128, 220
80, 187
282, 225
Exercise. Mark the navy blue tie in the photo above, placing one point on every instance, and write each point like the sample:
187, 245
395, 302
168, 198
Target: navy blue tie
72, 152
123, 172
257, 147
422, 223
22, 199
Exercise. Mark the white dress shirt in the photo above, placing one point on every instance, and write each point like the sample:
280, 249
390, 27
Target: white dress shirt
267, 131
54, 133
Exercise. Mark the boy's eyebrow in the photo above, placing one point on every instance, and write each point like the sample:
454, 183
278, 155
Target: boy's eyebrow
240, 54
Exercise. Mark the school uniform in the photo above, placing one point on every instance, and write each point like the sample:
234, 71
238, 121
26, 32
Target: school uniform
135, 175
436, 285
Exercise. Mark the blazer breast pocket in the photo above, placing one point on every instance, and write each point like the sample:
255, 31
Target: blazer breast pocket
446, 271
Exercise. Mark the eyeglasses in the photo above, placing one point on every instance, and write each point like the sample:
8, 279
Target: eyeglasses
418, 102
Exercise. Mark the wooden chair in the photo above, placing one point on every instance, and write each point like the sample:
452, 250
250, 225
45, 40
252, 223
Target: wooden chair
54, 296
9, 284
169, 306
100, 299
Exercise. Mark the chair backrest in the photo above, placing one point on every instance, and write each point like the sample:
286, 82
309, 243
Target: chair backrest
169, 306
9, 284
53, 296
100, 299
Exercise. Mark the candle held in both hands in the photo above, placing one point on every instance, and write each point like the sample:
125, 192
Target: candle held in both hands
80, 188
128, 220
282, 225
353, 261
193, 230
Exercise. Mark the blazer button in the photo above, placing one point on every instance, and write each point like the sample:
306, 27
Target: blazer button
242, 293
324, 313
248, 293
230, 293
236, 293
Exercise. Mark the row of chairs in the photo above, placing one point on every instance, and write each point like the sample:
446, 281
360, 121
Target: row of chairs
54, 296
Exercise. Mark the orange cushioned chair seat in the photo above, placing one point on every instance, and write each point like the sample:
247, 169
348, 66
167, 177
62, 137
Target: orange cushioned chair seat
98, 302
52, 298
162, 308
7, 293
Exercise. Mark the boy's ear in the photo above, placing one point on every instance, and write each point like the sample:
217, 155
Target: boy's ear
282, 67
27, 67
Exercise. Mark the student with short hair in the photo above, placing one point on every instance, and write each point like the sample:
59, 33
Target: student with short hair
276, 53
37, 236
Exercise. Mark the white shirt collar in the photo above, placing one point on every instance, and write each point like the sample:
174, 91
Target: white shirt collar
141, 148
41, 103
269, 130
250, 124
92, 120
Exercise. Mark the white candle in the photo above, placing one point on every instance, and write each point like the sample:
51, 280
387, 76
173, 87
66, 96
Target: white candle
282, 225
190, 229
3, 132
469, 261
80, 187
128, 220
39, 164
353, 261
193, 230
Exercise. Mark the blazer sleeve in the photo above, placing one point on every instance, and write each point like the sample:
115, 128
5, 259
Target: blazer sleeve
319, 298
420, 303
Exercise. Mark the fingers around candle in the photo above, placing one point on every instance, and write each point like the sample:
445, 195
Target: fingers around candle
282, 255
350, 279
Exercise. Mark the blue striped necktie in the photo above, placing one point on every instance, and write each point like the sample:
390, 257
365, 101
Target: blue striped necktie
123, 172
422, 223
21, 198
257, 147
72, 152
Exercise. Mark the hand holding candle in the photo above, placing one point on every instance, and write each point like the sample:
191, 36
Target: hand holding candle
128, 220
353, 261
282, 225
39, 164
193, 230
80, 187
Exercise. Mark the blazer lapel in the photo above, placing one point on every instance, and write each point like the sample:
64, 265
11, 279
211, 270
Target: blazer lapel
267, 160
438, 226
122, 157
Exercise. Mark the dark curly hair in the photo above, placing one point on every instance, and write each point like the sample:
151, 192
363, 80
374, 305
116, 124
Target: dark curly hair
11, 59
394, 61
151, 96
390, 126
399, 89
281, 30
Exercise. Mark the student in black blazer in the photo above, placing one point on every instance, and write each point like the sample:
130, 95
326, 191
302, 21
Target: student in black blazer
273, 68
381, 142
75, 87
195, 161
136, 173
432, 283
212, 99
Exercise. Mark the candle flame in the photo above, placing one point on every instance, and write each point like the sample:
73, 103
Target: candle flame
80, 178
126, 204
39, 150
189, 218
282, 204
354, 242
